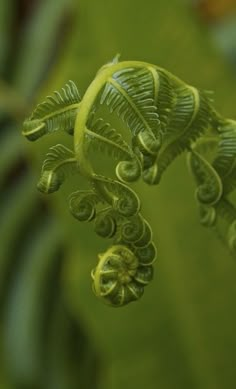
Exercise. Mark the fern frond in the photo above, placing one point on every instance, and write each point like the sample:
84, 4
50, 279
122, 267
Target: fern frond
122, 198
190, 119
225, 162
164, 97
59, 163
129, 171
67, 96
165, 116
106, 223
55, 113
102, 136
130, 93
82, 204
209, 190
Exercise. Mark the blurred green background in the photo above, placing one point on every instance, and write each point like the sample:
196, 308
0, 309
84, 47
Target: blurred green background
54, 333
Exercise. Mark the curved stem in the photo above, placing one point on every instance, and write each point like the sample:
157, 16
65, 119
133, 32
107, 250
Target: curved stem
101, 188
87, 103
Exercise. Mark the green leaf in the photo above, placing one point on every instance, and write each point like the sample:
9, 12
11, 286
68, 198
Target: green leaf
130, 92
189, 118
59, 164
105, 138
225, 162
55, 113
209, 185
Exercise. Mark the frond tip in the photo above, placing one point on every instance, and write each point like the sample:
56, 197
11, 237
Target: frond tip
210, 189
58, 165
118, 279
55, 113
82, 205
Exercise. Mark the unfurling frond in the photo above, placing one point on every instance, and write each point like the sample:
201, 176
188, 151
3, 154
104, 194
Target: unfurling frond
83, 204
102, 136
106, 223
130, 93
122, 198
225, 162
59, 163
190, 118
119, 278
165, 117
55, 113
209, 190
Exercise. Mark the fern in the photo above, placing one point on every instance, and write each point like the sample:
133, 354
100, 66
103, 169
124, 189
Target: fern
225, 162
56, 112
210, 188
59, 163
130, 92
103, 137
165, 117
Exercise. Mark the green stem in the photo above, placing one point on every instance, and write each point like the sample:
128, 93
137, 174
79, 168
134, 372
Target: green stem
87, 104
101, 188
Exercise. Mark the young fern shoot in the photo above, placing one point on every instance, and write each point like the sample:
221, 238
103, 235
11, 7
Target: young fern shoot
165, 117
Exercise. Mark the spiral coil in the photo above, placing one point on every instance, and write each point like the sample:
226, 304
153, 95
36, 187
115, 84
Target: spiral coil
165, 117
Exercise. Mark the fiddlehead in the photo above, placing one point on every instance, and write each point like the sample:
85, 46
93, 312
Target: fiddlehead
59, 163
132, 230
146, 254
165, 117
218, 212
129, 171
122, 198
82, 205
209, 190
106, 224
119, 278
225, 161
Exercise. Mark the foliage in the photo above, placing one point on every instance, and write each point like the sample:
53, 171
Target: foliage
165, 116
185, 322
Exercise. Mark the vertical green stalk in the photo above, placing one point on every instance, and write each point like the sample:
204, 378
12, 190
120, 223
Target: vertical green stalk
86, 106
